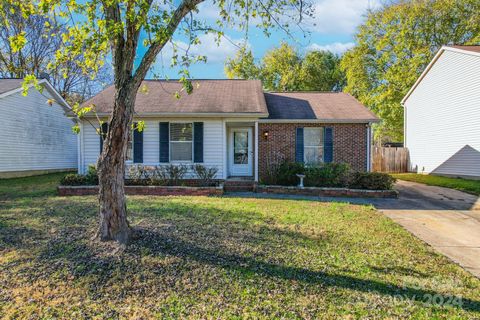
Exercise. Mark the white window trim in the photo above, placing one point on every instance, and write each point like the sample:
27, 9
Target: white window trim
322, 129
170, 143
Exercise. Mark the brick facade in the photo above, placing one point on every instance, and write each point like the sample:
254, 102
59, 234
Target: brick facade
349, 144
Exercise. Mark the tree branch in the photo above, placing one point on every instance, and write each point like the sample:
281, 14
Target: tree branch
182, 10
112, 13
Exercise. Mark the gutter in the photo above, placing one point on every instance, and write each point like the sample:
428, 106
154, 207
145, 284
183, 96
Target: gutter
368, 121
185, 115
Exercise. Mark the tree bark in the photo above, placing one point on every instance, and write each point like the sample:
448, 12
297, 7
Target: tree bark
111, 169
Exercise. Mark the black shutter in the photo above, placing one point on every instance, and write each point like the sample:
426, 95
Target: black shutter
198, 142
164, 142
103, 134
137, 145
299, 146
328, 145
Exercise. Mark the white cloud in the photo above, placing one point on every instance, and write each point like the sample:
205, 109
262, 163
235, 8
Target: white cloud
215, 53
208, 10
340, 16
336, 47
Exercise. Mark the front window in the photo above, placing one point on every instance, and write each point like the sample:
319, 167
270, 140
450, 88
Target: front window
130, 145
181, 145
313, 145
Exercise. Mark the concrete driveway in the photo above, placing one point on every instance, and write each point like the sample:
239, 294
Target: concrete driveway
446, 219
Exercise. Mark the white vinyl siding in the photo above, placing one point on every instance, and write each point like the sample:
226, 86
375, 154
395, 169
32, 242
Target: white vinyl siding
213, 153
35, 135
443, 117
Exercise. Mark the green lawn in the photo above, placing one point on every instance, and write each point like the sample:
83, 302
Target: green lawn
200, 257
470, 186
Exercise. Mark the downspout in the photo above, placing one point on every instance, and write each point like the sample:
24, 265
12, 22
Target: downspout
404, 125
369, 147
82, 147
256, 151
79, 161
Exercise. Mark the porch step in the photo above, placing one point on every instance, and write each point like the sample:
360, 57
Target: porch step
237, 185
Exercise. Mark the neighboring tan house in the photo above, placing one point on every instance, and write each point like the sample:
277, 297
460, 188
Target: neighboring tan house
442, 115
236, 127
35, 137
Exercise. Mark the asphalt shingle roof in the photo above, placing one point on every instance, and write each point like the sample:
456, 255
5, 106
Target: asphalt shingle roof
211, 96
329, 106
468, 48
236, 97
9, 84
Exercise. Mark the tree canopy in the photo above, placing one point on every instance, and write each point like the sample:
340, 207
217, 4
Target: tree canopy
285, 69
42, 38
394, 46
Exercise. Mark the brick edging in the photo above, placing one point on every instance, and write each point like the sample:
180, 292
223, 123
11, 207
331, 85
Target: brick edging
217, 191
327, 192
144, 190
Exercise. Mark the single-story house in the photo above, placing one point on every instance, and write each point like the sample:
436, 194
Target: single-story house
235, 126
36, 136
442, 115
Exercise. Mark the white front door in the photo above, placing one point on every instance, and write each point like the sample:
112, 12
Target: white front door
240, 152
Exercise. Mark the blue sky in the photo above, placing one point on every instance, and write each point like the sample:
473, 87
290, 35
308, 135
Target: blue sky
332, 28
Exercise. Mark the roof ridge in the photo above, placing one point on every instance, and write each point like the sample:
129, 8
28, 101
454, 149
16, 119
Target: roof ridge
304, 91
203, 79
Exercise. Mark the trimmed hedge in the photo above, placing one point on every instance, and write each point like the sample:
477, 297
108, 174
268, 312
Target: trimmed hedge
372, 181
88, 179
337, 175
140, 175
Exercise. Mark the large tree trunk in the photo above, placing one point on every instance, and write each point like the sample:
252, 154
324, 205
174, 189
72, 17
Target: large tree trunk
111, 169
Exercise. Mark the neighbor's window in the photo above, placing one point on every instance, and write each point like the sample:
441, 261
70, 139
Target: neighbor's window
130, 146
181, 145
313, 145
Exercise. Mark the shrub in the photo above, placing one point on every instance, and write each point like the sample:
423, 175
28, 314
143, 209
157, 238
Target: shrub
158, 176
372, 181
172, 174
286, 174
327, 175
206, 175
91, 176
88, 179
137, 175
73, 179
323, 175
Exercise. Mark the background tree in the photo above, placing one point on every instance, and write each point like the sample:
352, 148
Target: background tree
394, 46
96, 29
280, 69
43, 39
284, 69
321, 71
242, 66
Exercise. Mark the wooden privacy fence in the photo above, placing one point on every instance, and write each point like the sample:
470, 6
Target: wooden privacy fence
392, 160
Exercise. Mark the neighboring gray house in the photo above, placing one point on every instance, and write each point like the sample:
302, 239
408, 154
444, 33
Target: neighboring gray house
442, 115
35, 137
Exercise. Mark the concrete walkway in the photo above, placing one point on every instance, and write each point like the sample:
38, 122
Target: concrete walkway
446, 219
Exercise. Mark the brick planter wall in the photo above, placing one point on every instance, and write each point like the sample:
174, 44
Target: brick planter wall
349, 144
328, 192
185, 182
144, 190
